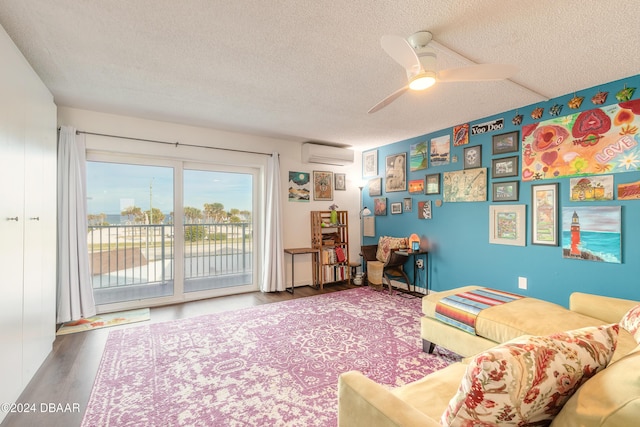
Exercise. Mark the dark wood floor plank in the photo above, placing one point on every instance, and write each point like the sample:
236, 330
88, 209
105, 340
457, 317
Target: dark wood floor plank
68, 373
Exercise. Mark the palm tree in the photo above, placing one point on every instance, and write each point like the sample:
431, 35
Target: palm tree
192, 215
214, 212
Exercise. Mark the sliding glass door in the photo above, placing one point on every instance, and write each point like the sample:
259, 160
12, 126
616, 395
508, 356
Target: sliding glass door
130, 236
218, 244
169, 229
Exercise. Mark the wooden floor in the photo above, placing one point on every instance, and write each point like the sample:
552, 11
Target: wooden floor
67, 375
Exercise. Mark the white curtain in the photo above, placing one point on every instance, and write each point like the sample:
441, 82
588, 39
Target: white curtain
75, 294
273, 263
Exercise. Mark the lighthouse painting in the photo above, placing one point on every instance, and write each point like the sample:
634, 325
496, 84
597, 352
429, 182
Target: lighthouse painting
592, 233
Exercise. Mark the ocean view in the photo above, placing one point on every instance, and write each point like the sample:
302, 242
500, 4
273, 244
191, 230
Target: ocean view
606, 246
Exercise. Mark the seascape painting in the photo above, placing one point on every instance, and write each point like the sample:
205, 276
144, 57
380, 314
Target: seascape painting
418, 156
440, 149
592, 233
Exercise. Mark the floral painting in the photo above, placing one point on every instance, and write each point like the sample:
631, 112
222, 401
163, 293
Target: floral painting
594, 142
592, 233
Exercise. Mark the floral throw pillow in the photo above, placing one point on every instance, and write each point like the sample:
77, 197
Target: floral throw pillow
631, 322
526, 381
386, 244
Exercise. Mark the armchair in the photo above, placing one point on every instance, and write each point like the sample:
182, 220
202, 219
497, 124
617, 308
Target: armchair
392, 268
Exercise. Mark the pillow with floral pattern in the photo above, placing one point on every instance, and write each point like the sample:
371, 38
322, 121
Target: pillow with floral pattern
386, 244
631, 322
526, 381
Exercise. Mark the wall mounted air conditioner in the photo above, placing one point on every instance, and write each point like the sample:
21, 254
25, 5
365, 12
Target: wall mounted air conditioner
326, 154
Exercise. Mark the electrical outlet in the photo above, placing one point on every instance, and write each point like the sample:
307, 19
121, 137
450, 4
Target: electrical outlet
420, 264
522, 282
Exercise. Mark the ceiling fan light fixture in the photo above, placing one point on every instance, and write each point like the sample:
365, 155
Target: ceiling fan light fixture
423, 80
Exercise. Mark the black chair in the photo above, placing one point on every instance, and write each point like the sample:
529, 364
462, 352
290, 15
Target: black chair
393, 268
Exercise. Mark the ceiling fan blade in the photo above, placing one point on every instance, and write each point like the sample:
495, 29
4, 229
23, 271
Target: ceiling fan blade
478, 72
388, 100
401, 51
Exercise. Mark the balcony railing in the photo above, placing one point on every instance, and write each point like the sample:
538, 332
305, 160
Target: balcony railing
126, 255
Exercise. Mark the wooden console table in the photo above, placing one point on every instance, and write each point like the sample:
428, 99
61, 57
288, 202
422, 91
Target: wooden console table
315, 253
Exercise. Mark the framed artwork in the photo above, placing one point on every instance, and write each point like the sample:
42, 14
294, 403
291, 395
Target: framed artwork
505, 143
407, 204
591, 188
440, 150
340, 181
416, 186
505, 191
418, 156
507, 224
629, 191
544, 214
473, 157
504, 167
592, 233
396, 208
424, 209
566, 146
461, 134
375, 187
299, 186
370, 163
468, 185
396, 173
380, 206
432, 184
322, 185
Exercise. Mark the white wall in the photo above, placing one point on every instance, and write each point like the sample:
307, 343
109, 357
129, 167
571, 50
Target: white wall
296, 215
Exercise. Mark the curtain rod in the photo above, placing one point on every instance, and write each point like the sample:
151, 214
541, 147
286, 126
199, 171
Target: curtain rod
176, 144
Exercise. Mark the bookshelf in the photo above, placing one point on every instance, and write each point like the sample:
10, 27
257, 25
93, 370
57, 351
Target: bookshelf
332, 239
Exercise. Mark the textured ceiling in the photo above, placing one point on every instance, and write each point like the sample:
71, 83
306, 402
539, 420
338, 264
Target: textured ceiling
310, 70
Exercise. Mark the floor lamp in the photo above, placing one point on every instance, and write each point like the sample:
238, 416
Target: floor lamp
364, 211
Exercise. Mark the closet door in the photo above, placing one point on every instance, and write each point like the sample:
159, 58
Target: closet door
11, 242
39, 237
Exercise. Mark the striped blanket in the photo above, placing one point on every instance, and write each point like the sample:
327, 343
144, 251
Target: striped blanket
461, 310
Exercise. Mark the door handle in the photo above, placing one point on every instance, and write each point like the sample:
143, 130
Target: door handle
15, 218
35, 218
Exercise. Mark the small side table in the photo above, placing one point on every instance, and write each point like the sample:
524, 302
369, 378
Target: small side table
315, 253
353, 265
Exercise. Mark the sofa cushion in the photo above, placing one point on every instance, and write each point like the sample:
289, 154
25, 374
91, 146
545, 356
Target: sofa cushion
431, 394
386, 244
527, 380
610, 399
631, 322
509, 321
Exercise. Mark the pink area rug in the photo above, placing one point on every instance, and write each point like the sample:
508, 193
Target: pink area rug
272, 365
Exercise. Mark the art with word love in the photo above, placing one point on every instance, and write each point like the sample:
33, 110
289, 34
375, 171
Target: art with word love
599, 141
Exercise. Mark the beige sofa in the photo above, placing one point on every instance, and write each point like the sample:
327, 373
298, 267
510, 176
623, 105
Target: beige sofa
608, 399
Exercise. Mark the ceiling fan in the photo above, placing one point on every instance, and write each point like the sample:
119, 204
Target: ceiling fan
419, 61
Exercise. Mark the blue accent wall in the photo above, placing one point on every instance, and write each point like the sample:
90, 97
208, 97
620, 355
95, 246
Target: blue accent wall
458, 233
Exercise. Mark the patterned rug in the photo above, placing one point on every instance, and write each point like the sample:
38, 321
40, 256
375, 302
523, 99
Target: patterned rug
272, 365
104, 321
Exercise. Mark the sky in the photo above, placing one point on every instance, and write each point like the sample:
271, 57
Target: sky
111, 187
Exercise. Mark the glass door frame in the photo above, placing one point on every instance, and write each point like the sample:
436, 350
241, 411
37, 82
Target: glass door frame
178, 165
